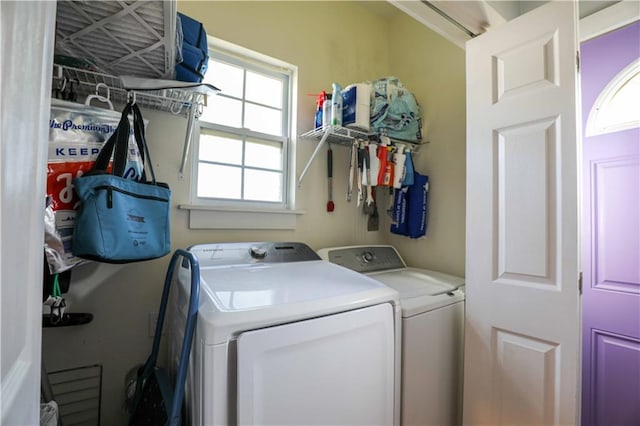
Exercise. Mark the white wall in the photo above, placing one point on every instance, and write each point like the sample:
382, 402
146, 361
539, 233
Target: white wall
328, 41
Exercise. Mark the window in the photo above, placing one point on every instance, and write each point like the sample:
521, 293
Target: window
241, 158
617, 106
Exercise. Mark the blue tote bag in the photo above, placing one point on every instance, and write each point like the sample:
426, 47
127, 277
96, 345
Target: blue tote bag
121, 220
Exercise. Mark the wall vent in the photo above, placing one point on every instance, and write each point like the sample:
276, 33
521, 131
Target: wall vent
78, 392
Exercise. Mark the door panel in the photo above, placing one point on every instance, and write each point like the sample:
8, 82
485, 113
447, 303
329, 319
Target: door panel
616, 400
526, 187
27, 58
615, 212
522, 330
333, 370
611, 245
527, 373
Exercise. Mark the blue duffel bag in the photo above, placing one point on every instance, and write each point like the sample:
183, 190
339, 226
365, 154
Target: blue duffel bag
195, 52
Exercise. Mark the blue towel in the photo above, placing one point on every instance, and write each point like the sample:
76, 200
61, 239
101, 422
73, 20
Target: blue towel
399, 217
417, 201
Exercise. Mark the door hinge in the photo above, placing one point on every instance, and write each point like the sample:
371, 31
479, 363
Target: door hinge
578, 60
580, 283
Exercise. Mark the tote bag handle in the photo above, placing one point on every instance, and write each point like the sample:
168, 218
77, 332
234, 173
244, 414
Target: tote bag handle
118, 146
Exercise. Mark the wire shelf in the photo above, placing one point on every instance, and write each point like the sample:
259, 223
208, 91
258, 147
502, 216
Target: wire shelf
84, 83
339, 135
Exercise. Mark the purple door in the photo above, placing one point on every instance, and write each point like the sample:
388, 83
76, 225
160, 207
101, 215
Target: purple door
611, 245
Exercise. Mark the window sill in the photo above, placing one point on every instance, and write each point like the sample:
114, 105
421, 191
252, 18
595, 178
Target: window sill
209, 217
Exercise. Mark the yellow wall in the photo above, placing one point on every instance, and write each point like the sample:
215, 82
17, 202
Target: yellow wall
328, 41
434, 70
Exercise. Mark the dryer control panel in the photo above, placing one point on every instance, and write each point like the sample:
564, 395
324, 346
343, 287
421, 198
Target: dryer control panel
364, 259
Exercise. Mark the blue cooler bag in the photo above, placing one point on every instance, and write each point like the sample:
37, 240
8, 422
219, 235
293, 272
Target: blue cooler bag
195, 51
121, 220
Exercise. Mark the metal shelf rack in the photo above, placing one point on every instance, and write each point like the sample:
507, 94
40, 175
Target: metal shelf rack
341, 136
332, 134
175, 97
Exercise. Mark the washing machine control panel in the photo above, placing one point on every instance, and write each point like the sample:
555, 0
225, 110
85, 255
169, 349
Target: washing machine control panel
222, 254
366, 259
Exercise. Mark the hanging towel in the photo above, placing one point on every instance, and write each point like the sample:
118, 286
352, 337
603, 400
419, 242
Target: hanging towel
408, 170
399, 213
398, 160
417, 203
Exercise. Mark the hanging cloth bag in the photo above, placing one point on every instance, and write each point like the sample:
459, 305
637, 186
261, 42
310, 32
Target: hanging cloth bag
122, 220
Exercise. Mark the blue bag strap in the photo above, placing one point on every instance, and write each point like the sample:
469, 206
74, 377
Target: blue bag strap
121, 132
143, 148
118, 145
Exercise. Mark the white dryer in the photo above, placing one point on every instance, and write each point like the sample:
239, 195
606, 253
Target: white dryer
285, 338
432, 331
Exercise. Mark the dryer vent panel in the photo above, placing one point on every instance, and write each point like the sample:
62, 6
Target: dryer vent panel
77, 392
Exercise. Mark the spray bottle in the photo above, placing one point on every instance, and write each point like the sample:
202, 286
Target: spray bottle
336, 105
319, 105
326, 111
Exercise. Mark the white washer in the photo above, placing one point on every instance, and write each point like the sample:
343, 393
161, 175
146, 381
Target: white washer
285, 338
432, 331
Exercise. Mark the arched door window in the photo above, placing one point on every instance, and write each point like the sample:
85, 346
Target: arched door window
618, 105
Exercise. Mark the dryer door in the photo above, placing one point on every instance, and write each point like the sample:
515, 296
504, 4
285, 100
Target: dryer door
337, 369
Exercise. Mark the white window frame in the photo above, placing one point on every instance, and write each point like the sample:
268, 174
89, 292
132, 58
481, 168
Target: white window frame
212, 213
594, 123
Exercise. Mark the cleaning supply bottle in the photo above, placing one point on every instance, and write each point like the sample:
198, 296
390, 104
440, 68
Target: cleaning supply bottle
336, 105
382, 160
389, 168
319, 105
326, 111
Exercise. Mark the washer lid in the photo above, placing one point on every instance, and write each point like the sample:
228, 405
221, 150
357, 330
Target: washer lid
414, 282
236, 298
263, 285
422, 290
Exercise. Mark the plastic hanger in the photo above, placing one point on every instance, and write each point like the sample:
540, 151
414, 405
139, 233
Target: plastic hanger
104, 99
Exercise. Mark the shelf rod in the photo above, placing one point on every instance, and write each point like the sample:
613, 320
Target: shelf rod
187, 139
313, 156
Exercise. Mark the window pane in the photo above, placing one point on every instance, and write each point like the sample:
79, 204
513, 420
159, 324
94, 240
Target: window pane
221, 110
220, 149
227, 78
263, 154
263, 119
623, 107
219, 181
264, 90
262, 186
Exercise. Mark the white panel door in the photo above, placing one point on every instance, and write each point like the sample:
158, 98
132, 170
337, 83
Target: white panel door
27, 58
522, 317
333, 370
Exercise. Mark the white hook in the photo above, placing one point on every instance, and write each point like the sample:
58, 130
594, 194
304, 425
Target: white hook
176, 107
103, 98
97, 96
